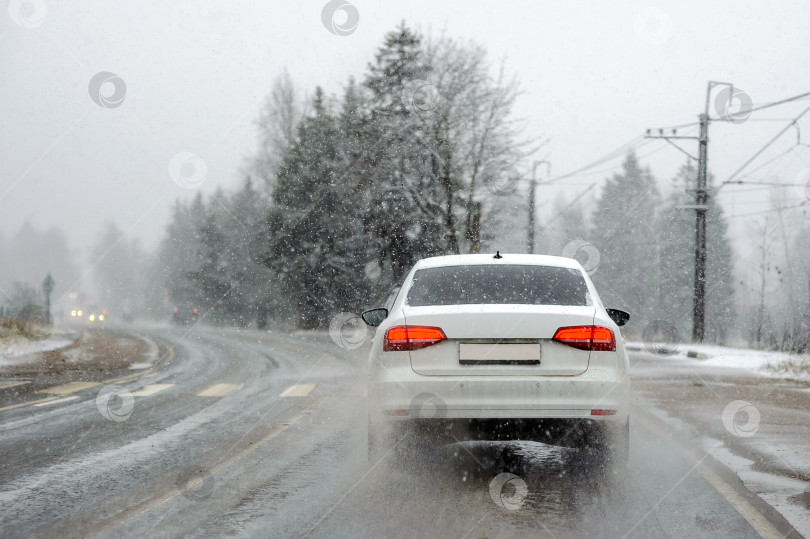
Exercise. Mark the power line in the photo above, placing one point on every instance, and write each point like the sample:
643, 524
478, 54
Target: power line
766, 146
607, 157
781, 102
576, 198
614, 167
766, 163
783, 208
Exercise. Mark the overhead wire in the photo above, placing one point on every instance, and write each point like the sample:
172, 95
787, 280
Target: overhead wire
765, 147
637, 141
783, 208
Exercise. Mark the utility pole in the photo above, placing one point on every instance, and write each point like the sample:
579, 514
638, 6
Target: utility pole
700, 207
532, 193
702, 193
701, 197
47, 287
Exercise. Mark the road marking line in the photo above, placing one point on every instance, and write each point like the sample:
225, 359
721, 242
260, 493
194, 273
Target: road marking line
219, 390
150, 389
757, 520
169, 357
57, 401
298, 390
67, 389
10, 383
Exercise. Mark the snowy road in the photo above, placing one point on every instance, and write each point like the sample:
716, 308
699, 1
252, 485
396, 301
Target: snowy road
263, 435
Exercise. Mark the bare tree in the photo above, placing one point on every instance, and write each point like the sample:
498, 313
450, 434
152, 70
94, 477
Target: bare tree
477, 140
277, 124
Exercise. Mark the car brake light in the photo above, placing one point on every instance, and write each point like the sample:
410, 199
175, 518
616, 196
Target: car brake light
399, 338
603, 412
596, 338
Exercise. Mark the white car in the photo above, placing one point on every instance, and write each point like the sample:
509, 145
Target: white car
499, 347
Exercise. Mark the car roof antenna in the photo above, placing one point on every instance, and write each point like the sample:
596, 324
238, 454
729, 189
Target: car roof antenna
497, 255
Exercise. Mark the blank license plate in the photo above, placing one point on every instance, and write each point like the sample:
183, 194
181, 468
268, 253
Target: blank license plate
499, 354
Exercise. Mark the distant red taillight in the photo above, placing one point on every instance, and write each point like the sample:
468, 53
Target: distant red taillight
595, 338
399, 338
603, 412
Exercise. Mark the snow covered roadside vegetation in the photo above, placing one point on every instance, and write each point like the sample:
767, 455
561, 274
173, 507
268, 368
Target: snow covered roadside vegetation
19, 339
769, 363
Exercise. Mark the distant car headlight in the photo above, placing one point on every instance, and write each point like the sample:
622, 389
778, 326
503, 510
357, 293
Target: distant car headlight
101, 317
73, 313
92, 317
79, 313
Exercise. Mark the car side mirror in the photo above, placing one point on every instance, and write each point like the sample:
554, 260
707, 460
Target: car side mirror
374, 317
620, 317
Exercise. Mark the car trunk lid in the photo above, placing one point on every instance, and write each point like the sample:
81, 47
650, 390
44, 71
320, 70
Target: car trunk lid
499, 340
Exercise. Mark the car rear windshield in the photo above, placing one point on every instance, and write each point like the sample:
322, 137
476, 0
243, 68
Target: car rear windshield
498, 284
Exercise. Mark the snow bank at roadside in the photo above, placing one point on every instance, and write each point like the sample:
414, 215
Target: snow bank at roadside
13, 347
779, 364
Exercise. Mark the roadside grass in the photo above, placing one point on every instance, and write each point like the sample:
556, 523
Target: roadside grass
798, 368
11, 328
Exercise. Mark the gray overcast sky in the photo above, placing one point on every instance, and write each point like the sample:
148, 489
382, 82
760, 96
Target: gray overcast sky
594, 75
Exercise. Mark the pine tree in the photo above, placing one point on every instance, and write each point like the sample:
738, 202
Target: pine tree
312, 219
626, 276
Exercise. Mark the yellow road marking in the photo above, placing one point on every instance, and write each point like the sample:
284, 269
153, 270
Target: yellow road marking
57, 401
150, 389
756, 519
67, 389
169, 358
298, 390
219, 390
29, 403
13, 383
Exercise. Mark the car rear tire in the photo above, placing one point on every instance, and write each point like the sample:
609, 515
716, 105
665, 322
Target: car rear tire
606, 443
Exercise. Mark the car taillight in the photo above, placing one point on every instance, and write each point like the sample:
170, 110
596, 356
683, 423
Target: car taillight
400, 338
595, 338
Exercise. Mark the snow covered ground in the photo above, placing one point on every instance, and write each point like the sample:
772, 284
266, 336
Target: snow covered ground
778, 364
14, 347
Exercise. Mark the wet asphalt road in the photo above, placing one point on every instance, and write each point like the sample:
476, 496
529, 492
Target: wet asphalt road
212, 448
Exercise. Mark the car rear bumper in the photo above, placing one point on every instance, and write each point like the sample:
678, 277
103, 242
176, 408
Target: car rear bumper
401, 394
